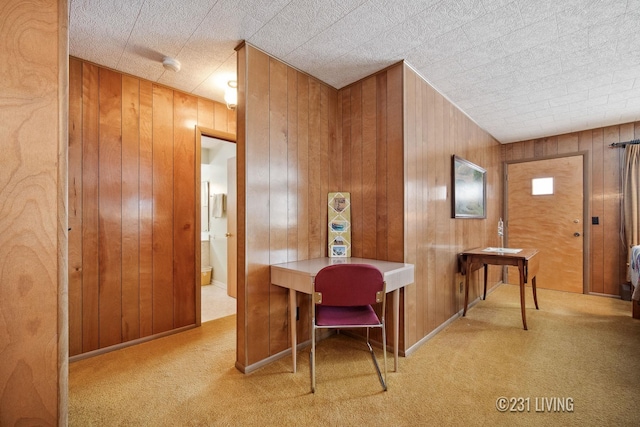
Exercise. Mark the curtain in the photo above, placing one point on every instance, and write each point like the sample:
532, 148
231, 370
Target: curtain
631, 196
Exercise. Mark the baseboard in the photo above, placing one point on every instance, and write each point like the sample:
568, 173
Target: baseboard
128, 343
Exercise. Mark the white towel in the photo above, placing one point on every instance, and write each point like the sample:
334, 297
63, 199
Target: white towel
217, 206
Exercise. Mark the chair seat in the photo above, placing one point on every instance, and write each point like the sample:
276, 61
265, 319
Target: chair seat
327, 315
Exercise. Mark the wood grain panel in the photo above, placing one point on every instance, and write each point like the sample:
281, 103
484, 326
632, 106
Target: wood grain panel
256, 198
381, 167
33, 177
395, 164
413, 103
324, 167
185, 113
110, 207
316, 199
292, 164
130, 208
302, 195
278, 200
75, 207
612, 196
303, 167
205, 113
146, 208
429, 253
355, 168
163, 221
220, 118
369, 163
242, 315
90, 259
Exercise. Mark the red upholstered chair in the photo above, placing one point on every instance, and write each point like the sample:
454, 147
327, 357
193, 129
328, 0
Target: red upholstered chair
343, 297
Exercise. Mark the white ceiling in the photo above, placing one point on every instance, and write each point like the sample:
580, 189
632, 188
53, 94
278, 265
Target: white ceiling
521, 69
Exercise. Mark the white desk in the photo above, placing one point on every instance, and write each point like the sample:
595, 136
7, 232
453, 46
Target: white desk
299, 276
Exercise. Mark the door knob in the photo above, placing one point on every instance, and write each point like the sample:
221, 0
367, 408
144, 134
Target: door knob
576, 234
227, 234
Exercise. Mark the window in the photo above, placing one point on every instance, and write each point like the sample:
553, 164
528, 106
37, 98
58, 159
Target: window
541, 186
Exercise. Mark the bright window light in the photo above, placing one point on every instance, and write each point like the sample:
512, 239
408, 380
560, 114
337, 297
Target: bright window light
541, 186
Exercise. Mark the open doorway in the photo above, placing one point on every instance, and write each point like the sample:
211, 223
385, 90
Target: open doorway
217, 214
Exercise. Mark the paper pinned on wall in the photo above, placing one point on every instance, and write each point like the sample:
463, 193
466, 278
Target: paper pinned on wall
217, 205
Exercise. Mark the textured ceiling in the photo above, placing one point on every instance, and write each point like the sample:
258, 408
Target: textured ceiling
521, 69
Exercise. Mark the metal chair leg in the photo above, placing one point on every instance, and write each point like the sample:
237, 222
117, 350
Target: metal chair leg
312, 360
375, 363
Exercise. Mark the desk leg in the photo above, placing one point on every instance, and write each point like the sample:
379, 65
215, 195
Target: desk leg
535, 294
292, 326
486, 268
466, 286
522, 304
396, 327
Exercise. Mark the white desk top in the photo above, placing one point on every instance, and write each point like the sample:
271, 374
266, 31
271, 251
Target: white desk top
299, 275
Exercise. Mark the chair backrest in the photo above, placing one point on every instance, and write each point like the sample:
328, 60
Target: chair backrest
349, 284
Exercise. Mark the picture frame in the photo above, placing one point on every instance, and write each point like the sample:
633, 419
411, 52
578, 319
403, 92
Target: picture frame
469, 189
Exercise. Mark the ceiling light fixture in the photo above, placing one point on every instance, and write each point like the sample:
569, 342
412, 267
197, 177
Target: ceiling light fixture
171, 64
231, 94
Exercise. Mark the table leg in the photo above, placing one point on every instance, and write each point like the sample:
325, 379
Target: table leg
466, 286
292, 326
395, 296
484, 297
522, 304
535, 294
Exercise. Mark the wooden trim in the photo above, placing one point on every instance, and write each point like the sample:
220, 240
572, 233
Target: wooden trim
63, 215
214, 133
126, 344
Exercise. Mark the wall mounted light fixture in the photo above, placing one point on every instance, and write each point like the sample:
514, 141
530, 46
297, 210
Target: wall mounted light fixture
231, 94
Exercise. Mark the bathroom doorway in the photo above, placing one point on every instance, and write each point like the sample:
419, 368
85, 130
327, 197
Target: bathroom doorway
215, 218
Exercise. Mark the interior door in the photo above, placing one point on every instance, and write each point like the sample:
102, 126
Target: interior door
232, 227
549, 219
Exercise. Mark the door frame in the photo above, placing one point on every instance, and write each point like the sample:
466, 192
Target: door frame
225, 136
586, 209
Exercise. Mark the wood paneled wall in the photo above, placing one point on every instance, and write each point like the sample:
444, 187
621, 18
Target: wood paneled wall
388, 140
372, 167
434, 131
132, 200
608, 256
370, 146
33, 222
286, 126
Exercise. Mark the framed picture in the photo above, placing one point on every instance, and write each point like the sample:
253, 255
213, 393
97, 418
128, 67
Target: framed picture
338, 251
469, 194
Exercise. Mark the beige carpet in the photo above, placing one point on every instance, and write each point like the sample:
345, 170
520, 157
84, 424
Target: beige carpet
215, 303
580, 348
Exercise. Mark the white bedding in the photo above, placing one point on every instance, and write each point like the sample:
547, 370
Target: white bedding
634, 267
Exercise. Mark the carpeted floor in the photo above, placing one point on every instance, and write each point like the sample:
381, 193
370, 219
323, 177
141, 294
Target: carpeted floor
215, 303
580, 351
